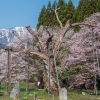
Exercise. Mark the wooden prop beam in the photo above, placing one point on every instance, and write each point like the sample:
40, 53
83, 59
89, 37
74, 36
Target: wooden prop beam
9, 69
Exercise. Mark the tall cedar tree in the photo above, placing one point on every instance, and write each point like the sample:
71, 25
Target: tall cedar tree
42, 19
83, 10
98, 5
61, 12
94, 6
54, 20
70, 10
67, 11
49, 14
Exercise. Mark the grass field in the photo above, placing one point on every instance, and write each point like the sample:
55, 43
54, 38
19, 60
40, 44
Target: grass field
43, 95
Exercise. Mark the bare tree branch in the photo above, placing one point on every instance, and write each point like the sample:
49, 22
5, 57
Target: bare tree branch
32, 32
48, 31
18, 37
42, 43
60, 37
61, 26
83, 23
22, 41
63, 32
41, 55
49, 38
27, 50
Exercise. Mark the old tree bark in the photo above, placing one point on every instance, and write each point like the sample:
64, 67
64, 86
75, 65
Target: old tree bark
44, 45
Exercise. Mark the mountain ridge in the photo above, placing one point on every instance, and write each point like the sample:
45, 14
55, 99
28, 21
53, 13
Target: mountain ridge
7, 36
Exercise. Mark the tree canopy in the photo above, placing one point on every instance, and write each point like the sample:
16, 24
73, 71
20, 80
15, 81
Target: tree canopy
67, 11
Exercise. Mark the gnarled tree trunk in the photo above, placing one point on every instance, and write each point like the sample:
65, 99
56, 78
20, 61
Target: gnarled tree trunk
53, 77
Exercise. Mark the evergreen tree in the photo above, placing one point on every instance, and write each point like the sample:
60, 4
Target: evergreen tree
74, 19
70, 10
42, 17
94, 6
49, 14
67, 11
83, 10
61, 12
98, 6
54, 20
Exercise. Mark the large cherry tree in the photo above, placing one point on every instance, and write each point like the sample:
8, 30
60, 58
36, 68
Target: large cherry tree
43, 49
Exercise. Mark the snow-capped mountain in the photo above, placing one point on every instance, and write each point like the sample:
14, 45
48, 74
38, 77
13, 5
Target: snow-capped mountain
6, 35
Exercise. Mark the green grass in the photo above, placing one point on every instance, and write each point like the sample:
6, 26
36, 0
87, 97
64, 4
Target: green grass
42, 94
77, 95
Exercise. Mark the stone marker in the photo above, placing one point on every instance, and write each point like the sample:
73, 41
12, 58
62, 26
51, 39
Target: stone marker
15, 91
83, 93
63, 94
35, 96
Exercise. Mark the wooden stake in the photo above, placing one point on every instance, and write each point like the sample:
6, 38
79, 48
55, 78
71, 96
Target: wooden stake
9, 70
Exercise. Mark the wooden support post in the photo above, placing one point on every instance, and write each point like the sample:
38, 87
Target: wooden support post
27, 71
9, 70
9, 49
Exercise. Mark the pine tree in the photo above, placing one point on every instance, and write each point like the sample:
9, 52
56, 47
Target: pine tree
75, 14
94, 6
54, 20
83, 10
98, 6
42, 17
70, 10
61, 12
74, 20
49, 14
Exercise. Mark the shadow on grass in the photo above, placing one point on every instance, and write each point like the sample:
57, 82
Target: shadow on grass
24, 89
98, 94
1, 93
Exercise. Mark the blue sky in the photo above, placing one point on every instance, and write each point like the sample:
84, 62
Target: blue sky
22, 12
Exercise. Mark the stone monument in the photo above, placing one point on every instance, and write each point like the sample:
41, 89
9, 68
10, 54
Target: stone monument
63, 94
15, 91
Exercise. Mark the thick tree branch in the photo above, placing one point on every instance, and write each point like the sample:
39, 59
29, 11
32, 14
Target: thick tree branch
83, 23
61, 26
41, 55
48, 31
60, 37
18, 36
42, 43
27, 50
32, 32
49, 38
63, 32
